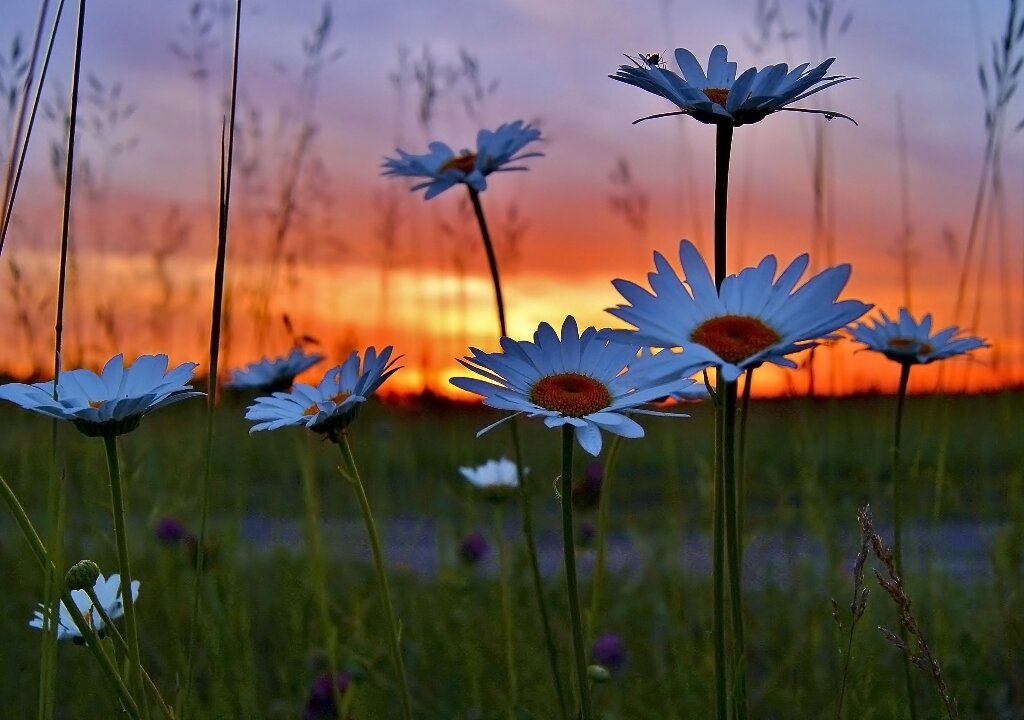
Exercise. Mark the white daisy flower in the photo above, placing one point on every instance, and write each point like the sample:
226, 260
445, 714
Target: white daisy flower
272, 375
495, 479
911, 343
442, 168
111, 403
331, 406
721, 97
754, 319
108, 592
578, 380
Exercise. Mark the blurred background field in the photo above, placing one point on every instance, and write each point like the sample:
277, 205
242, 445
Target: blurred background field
811, 464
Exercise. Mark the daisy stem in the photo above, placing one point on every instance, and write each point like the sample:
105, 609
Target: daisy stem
569, 551
734, 551
526, 511
224, 204
897, 519
526, 521
506, 612
741, 453
492, 260
723, 150
121, 539
352, 473
318, 569
92, 642
597, 584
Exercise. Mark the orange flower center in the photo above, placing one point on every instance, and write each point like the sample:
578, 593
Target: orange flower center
339, 397
717, 95
96, 403
734, 337
311, 410
570, 394
463, 163
901, 343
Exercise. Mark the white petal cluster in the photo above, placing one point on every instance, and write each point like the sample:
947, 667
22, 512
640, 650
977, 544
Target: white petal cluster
272, 374
908, 341
108, 592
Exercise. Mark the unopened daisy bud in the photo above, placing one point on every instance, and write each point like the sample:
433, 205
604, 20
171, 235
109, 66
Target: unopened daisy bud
82, 575
598, 674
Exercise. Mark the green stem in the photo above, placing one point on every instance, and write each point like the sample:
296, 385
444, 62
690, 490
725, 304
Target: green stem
569, 551
492, 260
35, 544
601, 541
526, 521
723, 152
318, 569
526, 512
734, 552
741, 453
506, 613
897, 521
121, 539
378, 564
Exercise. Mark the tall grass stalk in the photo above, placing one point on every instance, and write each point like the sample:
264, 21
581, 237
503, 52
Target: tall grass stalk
569, 552
224, 204
897, 518
20, 136
526, 511
351, 472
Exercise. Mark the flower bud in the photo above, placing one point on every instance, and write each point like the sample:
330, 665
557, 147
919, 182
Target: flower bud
82, 575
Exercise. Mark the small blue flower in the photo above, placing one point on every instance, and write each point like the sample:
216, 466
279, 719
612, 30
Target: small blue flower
719, 97
331, 406
443, 168
577, 380
909, 342
272, 375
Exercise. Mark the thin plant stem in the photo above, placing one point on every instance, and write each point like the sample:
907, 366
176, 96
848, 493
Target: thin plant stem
741, 453
897, 519
35, 544
51, 583
352, 473
224, 205
525, 508
526, 522
569, 552
19, 142
318, 569
117, 507
723, 151
601, 541
506, 612
492, 260
733, 551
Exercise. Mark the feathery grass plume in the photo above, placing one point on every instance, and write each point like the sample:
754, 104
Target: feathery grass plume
916, 649
858, 604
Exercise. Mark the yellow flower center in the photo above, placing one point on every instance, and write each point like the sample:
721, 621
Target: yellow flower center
311, 410
570, 394
717, 95
96, 403
734, 337
463, 163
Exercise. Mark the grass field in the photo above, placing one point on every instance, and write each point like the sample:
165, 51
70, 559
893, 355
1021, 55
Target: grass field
810, 465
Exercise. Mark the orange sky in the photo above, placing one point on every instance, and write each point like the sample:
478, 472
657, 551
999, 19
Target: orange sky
144, 233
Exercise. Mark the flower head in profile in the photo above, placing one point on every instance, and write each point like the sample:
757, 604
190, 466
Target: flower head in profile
755, 318
272, 375
576, 379
442, 168
494, 479
910, 342
473, 548
111, 403
719, 96
331, 406
609, 651
108, 592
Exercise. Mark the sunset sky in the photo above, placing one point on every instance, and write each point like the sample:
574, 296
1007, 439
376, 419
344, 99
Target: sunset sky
145, 217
